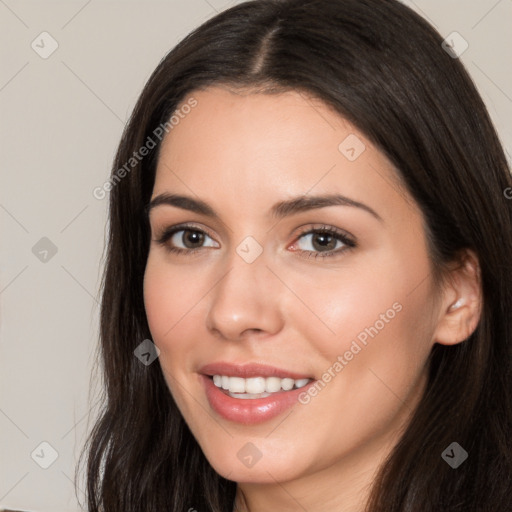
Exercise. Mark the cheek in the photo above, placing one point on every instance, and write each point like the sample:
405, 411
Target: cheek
170, 300
374, 313
170, 296
342, 305
159, 299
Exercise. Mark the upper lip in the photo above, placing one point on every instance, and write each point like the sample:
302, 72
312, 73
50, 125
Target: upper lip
249, 370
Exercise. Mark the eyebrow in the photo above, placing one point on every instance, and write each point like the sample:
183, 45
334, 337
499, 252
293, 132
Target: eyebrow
278, 210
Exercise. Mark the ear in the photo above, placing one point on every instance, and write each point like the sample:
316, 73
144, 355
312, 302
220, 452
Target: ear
461, 302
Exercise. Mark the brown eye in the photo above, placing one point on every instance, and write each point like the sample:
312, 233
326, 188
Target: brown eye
192, 239
323, 241
182, 239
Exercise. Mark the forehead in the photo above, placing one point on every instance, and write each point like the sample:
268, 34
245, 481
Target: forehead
274, 123
252, 148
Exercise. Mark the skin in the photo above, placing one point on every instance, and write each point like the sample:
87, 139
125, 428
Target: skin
242, 153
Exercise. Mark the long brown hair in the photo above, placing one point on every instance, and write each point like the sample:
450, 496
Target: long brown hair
383, 68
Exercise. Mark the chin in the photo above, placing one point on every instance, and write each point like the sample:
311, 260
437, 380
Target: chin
251, 465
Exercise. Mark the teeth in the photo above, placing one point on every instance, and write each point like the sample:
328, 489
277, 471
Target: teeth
236, 385
256, 387
301, 383
287, 384
272, 384
248, 396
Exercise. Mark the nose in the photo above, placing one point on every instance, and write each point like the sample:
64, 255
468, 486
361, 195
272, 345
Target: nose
245, 302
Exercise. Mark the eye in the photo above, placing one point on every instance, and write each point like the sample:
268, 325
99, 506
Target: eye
185, 239
190, 239
322, 242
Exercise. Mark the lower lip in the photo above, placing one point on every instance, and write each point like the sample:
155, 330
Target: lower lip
250, 411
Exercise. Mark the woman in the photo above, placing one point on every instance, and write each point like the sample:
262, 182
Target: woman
309, 221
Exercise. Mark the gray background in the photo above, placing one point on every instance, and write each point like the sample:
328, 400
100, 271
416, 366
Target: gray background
61, 119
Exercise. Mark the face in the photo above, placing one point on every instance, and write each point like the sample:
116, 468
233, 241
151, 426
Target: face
284, 254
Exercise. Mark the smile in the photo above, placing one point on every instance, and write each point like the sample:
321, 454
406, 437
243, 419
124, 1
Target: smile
256, 387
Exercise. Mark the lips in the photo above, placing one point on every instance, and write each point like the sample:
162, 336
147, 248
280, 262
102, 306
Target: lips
254, 410
249, 412
249, 370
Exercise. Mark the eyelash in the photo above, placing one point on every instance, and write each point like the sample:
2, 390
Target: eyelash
322, 229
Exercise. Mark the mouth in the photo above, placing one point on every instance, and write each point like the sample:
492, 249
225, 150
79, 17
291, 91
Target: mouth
251, 393
255, 387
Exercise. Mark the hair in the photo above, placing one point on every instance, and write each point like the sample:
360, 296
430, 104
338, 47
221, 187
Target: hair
382, 67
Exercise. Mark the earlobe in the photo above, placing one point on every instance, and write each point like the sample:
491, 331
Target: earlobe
461, 307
